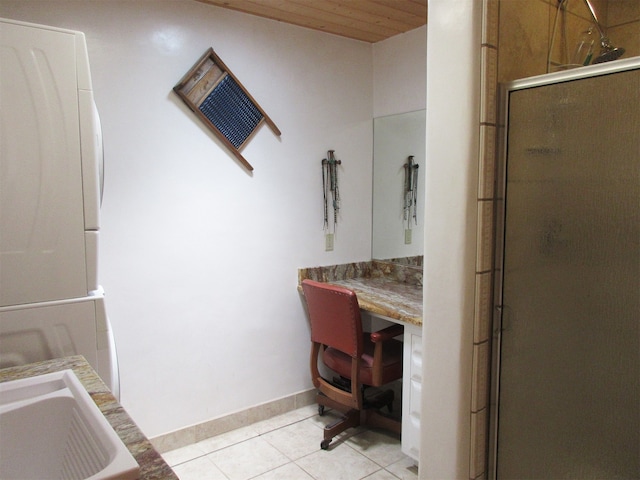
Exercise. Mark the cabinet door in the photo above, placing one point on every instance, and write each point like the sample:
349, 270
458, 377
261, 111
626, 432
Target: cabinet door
42, 253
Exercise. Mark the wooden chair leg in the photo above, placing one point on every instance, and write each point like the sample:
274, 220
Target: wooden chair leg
325, 401
349, 420
351, 417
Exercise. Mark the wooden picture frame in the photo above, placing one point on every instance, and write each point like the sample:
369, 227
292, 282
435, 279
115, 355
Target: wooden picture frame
222, 103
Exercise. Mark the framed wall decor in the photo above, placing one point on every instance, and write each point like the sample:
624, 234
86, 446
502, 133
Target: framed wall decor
222, 103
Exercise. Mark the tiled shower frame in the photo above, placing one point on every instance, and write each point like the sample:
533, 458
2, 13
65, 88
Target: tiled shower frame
485, 242
627, 23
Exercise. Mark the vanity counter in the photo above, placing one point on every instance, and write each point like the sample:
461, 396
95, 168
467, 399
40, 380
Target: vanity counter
387, 297
383, 288
152, 466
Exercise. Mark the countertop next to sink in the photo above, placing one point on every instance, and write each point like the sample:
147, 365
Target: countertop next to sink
152, 466
384, 288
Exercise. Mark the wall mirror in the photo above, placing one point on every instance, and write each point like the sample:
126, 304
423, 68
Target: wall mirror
395, 138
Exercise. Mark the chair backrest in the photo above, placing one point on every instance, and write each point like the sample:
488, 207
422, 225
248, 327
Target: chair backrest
335, 316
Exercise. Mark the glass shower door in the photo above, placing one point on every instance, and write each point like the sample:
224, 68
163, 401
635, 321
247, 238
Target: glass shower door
568, 402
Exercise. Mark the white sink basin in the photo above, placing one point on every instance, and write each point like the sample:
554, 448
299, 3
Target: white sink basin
51, 428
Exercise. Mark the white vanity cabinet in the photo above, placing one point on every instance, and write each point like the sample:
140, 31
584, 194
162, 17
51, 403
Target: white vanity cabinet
411, 382
411, 390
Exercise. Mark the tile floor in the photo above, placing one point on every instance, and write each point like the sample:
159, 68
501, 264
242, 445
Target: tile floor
288, 447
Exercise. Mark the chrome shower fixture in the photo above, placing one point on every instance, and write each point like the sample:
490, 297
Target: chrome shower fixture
607, 51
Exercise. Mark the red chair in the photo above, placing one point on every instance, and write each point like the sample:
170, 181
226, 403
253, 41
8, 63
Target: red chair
361, 359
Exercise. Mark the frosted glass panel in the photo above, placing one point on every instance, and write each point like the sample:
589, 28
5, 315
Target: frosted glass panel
569, 400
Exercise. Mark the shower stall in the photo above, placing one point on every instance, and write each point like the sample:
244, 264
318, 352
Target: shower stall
566, 344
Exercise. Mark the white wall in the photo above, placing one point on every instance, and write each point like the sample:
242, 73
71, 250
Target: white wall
399, 86
400, 73
199, 258
453, 85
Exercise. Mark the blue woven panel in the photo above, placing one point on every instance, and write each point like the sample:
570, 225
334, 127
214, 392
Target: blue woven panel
231, 111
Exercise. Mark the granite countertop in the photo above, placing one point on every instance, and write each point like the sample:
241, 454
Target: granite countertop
387, 297
383, 288
152, 466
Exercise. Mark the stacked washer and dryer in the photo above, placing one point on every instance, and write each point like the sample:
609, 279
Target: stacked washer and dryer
51, 304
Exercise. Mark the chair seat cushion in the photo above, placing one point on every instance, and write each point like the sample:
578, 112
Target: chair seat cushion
391, 361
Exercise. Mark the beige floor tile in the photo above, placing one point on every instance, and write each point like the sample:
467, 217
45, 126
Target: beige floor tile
183, 454
340, 462
381, 475
329, 417
199, 469
285, 419
308, 410
405, 469
381, 447
296, 440
227, 439
290, 471
248, 459
265, 451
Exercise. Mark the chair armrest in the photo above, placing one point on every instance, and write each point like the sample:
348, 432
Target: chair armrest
387, 333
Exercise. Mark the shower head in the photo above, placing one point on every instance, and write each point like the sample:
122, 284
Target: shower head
607, 51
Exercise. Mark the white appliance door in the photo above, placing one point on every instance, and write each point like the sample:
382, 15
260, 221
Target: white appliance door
42, 241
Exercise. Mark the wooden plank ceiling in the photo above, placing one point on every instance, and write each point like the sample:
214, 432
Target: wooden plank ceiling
366, 20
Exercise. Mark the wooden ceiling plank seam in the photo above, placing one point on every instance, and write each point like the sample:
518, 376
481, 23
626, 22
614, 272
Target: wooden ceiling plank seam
272, 9
310, 11
364, 20
380, 10
416, 8
375, 21
299, 20
314, 18
412, 8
